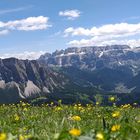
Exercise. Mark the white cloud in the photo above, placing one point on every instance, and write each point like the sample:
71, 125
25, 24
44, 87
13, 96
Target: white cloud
70, 14
28, 24
115, 30
24, 55
98, 42
132, 42
77, 32
105, 35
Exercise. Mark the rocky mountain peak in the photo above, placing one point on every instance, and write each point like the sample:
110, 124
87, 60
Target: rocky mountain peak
26, 79
91, 57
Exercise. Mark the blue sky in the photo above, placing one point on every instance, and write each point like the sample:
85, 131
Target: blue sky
29, 28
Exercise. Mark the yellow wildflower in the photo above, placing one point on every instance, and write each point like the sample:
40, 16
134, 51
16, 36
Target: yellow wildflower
28, 136
3, 136
126, 106
97, 103
115, 127
75, 132
82, 110
80, 107
23, 104
24, 137
17, 118
24, 129
99, 136
25, 109
52, 103
58, 108
116, 114
76, 118
21, 137
112, 99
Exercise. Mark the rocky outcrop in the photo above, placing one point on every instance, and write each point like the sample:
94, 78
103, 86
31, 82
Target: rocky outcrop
24, 79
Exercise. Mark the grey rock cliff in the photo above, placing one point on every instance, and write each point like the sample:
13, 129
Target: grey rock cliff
24, 79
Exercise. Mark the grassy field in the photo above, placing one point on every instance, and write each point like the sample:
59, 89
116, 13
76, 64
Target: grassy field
63, 122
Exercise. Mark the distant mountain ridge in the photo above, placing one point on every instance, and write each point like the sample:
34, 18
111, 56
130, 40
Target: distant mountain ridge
92, 57
113, 68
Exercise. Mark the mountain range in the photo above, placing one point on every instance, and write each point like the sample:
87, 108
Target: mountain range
113, 68
73, 75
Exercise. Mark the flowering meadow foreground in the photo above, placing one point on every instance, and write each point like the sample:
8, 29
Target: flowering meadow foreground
69, 122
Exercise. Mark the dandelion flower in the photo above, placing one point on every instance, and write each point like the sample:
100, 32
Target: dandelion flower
17, 118
3, 136
21, 137
23, 104
126, 106
116, 114
25, 109
24, 137
112, 99
58, 108
115, 128
76, 118
75, 132
97, 103
99, 136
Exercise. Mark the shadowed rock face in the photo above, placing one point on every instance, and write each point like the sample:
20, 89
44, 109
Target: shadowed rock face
23, 79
